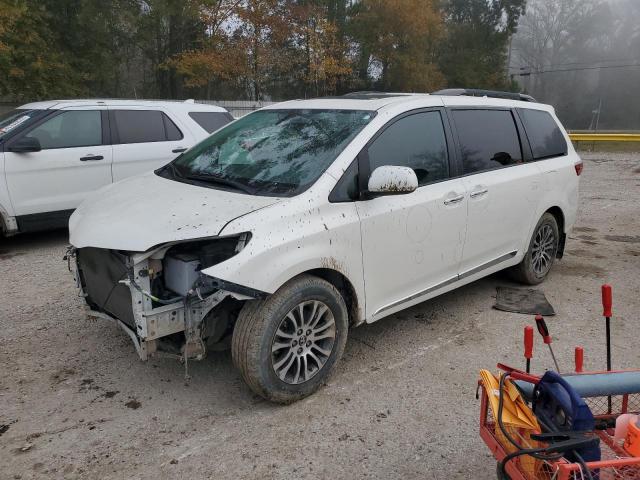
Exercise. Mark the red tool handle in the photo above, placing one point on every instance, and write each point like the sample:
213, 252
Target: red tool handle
579, 359
519, 374
528, 342
542, 329
607, 300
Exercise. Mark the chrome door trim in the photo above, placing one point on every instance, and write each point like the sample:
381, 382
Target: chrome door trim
454, 200
489, 264
450, 281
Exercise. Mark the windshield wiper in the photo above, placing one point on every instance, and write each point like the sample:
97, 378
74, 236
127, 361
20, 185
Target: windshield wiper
213, 179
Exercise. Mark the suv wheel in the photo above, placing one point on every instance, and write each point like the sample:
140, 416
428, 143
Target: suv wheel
541, 254
288, 344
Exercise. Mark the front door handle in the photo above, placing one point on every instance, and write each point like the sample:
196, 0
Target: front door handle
179, 150
454, 200
479, 193
90, 157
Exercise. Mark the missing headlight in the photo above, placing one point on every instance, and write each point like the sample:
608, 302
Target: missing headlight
183, 262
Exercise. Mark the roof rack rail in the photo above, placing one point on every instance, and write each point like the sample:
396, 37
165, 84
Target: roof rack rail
474, 92
374, 95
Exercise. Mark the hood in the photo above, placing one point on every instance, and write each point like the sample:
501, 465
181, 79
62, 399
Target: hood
147, 210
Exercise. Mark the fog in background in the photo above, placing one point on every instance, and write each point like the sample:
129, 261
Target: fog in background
583, 57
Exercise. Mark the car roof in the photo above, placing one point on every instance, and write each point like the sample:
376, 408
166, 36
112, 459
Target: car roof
374, 101
189, 105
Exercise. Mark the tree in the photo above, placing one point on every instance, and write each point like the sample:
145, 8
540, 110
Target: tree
398, 42
318, 51
31, 67
475, 49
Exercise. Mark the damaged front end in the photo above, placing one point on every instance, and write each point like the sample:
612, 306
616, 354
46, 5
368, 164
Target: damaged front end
161, 298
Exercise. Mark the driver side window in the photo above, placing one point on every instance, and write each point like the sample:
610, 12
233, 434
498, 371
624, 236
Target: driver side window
74, 128
417, 141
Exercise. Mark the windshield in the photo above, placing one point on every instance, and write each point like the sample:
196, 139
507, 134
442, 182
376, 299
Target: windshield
15, 118
270, 152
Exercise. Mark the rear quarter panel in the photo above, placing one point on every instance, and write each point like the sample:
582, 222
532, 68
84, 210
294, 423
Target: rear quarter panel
559, 185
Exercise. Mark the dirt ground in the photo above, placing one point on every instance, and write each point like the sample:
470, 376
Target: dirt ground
75, 401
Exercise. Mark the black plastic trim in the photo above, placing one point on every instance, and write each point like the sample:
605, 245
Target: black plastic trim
39, 222
220, 284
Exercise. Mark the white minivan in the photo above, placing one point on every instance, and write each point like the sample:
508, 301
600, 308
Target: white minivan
295, 223
52, 154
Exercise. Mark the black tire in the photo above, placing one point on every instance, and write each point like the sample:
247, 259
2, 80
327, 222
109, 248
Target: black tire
261, 322
527, 271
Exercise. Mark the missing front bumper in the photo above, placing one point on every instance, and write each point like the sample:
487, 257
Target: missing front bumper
118, 290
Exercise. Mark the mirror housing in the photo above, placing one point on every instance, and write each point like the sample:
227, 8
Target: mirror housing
25, 144
392, 180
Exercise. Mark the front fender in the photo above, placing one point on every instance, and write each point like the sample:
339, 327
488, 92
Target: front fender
287, 241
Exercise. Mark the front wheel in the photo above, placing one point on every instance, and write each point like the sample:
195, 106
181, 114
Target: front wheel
287, 345
541, 254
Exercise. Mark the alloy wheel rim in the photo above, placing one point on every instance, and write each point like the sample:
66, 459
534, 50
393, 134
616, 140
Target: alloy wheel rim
543, 250
303, 342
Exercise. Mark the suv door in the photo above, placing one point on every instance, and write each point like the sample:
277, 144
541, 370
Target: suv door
412, 243
75, 160
144, 139
503, 187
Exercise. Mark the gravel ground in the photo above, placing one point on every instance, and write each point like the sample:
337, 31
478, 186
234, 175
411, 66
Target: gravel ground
75, 401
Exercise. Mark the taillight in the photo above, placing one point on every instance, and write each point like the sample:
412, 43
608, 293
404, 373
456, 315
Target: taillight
579, 167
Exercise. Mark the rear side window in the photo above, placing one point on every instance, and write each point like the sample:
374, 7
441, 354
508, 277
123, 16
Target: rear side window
73, 128
416, 141
144, 126
488, 139
211, 121
544, 135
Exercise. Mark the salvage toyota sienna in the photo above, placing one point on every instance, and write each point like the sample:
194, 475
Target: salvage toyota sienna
292, 225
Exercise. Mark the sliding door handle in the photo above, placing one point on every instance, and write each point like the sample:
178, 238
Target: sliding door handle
454, 200
90, 158
479, 193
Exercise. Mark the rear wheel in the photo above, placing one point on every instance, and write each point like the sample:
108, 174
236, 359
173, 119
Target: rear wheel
287, 345
543, 248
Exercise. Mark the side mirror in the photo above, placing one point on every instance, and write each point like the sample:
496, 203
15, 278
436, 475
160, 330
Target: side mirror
391, 180
26, 144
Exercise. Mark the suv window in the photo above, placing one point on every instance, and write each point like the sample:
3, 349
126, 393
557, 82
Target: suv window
488, 139
416, 141
544, 134
211, 121
144, 126
74, 128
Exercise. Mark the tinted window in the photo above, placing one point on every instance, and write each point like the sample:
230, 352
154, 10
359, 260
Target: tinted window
78, 128
346, 190
15, 120
545, 137
416, 141
488, 139
143, 126
173, 132
211, 121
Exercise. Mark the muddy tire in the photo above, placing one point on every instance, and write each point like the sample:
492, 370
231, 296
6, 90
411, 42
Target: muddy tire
287, 345
543, 248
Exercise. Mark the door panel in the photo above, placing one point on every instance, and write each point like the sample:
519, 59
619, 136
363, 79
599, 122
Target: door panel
503, 189
501, 208
144, 140
412, 243
70, 165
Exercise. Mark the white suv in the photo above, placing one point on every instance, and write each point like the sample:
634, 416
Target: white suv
297, 222
52, 154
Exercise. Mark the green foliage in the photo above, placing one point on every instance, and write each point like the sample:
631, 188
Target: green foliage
475, 50
258, 49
